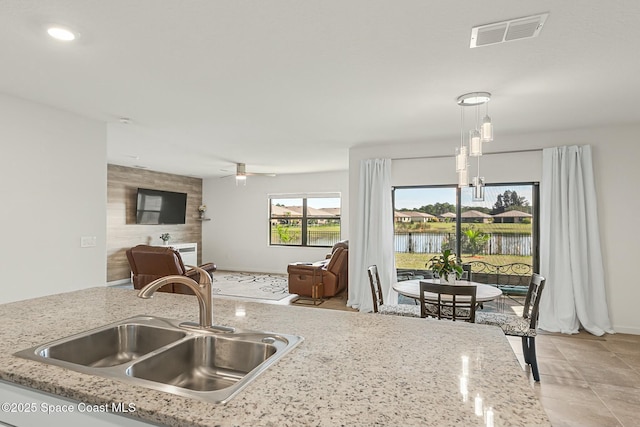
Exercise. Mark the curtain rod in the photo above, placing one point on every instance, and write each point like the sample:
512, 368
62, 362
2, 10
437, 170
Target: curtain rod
531, 150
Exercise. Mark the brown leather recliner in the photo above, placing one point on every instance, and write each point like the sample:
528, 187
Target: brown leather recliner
341, 244
344, 274
302, 277
149, 263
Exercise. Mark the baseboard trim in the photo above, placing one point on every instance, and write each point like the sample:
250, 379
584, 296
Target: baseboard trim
626, 330
119, 282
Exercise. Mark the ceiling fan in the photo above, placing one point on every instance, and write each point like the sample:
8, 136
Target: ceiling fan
241, 174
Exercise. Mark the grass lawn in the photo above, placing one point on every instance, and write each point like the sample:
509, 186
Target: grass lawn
418, 261
298, 228
450, 227
292, 234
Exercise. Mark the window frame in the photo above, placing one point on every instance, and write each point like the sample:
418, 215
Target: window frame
535, 229
304, 218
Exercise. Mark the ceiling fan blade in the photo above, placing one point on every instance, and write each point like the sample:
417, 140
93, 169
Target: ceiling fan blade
260, 174
241, 170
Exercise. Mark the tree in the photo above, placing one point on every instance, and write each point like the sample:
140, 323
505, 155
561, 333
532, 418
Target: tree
508, 201
516, 200
498, 207
437, 209
284, 233
477, 239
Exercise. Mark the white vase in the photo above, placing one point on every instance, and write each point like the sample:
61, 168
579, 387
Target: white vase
165, 242
451, 278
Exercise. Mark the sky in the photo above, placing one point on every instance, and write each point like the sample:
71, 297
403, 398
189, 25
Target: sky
315, 202
410, 198
415, 197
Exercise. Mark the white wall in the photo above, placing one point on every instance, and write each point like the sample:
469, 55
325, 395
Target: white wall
616, 166
53, 184
237, 236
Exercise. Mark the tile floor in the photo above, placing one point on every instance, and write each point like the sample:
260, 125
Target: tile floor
587, 380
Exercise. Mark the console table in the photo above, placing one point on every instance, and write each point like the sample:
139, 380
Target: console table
188, 252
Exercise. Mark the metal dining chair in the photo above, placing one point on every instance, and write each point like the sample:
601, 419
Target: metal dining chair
524, 326
449, 305
378, 300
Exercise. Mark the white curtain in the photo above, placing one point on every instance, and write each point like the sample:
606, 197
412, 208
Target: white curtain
372, 239
570, 255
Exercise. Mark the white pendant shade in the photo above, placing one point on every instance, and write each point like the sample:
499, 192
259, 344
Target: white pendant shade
475, 144
463, 178
478, 194
478, 189
487, 129
461, 158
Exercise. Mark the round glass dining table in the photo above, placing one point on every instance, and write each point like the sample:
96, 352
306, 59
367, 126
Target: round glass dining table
411, 289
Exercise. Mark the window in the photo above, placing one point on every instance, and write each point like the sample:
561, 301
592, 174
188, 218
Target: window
500, 230
304, 220
503, 231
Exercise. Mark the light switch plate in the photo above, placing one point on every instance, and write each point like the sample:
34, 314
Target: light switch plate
87, 241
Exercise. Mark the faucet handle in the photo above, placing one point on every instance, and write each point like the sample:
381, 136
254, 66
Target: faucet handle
202, 291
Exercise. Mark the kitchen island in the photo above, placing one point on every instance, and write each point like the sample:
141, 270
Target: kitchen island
352, 369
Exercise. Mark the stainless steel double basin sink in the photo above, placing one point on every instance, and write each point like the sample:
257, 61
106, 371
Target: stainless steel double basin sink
207, 364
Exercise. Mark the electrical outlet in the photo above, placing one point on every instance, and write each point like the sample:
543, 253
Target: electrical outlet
87, 241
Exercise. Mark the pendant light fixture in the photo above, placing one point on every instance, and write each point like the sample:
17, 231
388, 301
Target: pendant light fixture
480, 134
462, 157
486, 130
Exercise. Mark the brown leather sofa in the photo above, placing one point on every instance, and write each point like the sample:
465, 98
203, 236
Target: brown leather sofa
149, 263
332, 274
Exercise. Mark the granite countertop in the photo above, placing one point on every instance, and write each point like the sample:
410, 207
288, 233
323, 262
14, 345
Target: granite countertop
352, 368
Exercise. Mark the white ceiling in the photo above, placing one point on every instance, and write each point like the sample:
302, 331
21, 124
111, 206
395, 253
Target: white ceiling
288, 86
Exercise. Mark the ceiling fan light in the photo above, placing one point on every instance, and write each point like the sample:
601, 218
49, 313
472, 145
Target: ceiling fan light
241, 180
487, 129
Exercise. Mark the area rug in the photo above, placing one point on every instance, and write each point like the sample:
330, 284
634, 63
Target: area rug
250, 285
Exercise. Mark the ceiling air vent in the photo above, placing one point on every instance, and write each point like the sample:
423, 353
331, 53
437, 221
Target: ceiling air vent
514, 29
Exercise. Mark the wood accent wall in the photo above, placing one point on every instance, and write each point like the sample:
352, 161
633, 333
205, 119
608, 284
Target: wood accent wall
122, 230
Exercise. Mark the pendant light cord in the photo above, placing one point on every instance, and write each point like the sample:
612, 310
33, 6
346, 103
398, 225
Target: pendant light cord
461, 126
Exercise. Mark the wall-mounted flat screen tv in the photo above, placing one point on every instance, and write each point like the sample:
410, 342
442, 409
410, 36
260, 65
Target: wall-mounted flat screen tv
160, 207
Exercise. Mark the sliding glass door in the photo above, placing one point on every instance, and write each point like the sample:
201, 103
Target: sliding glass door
424, 223
500, 230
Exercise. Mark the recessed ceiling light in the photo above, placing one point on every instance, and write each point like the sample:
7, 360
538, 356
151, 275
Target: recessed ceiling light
62, 34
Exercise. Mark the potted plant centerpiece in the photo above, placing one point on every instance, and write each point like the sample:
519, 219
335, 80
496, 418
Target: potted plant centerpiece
202, 209
446, 266
165, 237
